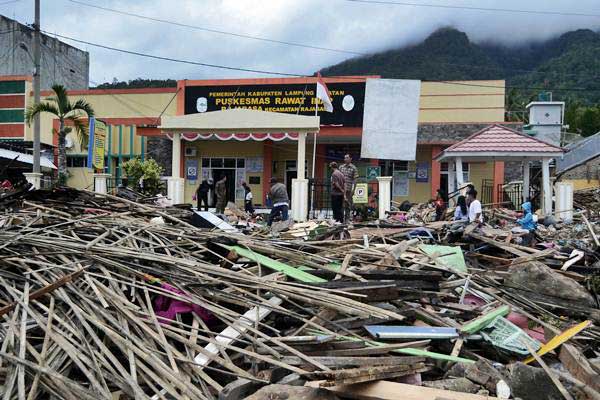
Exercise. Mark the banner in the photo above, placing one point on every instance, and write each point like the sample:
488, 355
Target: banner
296, 98
97, 144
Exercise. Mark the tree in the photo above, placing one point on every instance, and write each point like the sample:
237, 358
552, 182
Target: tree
67, 112
143, 175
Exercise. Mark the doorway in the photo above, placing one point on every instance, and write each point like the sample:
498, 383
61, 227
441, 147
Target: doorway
291, 172
217, 175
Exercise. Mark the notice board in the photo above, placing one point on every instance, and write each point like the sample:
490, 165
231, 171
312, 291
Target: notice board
391, 119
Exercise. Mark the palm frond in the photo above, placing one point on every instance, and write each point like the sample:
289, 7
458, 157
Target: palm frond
81, 130
84, 106
35, 109
61, 99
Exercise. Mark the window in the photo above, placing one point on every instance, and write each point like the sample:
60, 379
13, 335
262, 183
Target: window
216, 163
76, 161
241, 163
205, 162
465, 168
229, 163
400, 178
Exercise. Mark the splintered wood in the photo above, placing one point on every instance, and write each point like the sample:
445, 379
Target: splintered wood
104, 298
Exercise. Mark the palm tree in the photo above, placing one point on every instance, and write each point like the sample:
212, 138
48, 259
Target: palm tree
64, 110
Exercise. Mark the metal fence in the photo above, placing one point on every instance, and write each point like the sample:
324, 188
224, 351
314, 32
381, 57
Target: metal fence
508, 195
319, 200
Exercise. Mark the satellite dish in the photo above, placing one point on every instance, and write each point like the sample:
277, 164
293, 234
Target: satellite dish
68, 142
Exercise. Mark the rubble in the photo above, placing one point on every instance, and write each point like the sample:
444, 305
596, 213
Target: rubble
102, 296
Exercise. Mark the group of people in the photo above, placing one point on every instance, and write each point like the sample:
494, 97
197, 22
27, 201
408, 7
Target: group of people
468, 208
343, 184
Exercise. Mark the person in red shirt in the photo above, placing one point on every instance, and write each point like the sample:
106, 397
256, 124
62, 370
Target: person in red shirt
440, 205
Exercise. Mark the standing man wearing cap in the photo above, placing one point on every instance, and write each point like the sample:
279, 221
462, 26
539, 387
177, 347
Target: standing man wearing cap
337, 192
281, 202
350, 176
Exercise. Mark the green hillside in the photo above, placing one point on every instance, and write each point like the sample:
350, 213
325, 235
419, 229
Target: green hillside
568, 66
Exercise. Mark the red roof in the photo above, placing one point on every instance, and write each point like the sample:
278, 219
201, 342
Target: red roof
500, 139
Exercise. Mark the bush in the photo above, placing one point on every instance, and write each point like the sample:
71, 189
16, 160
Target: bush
143, 176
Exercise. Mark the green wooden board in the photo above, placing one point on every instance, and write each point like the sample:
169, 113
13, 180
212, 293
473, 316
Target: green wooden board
290, 271
447, 256
478, 324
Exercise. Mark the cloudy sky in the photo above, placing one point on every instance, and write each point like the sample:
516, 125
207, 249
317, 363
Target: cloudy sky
334, 24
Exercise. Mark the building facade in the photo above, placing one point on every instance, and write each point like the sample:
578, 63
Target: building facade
449, 112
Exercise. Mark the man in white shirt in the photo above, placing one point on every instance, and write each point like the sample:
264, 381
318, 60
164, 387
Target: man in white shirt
475, 212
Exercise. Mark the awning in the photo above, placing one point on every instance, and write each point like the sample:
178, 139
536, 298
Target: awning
25, 158
242, 137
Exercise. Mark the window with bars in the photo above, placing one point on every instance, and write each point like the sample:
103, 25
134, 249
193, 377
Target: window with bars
76, 161
465, 168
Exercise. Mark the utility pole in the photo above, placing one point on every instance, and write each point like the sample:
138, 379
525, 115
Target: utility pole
36, 89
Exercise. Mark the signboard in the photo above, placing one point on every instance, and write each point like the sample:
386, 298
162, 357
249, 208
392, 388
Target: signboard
422, 172
390, 122
97, 144
254, 164
191, 169
348, 100
361, 194
373, 173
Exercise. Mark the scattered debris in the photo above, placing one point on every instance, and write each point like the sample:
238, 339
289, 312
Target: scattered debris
107, 297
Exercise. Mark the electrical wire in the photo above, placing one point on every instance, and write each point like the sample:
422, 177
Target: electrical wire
454, 7
220, 32
137, 53
9, 2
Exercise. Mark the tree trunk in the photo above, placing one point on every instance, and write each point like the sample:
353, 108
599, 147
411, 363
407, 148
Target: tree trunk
62, 153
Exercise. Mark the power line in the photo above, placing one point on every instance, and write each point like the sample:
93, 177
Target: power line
355, 53
504, 10
10, 1
220, 32
137, 53
295, 75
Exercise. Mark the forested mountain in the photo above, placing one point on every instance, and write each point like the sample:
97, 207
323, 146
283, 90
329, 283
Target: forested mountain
568, 66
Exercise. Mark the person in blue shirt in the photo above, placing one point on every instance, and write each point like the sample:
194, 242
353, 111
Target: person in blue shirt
527, 221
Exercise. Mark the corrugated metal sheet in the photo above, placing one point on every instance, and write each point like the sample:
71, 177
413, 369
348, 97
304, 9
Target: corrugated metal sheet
579, 152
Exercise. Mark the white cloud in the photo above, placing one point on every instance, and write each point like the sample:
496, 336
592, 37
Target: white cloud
334, 24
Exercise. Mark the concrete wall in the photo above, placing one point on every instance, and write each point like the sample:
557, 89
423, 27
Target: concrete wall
60, 62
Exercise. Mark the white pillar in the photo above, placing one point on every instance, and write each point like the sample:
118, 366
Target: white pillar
564, 200
175, 182
546, 189
299, 199
300, 184
525, 180
459, 172
451, 178
300, 167
100, 185
384, 194
176, 155
35, 178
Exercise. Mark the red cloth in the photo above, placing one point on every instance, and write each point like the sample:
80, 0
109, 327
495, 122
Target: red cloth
168, 307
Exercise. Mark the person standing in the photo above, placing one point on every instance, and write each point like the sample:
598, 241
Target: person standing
350, 177
202, 193
221, 193
338, 192
281, 202
248, 207
475, 212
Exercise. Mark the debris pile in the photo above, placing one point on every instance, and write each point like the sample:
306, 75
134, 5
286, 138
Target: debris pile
102, 297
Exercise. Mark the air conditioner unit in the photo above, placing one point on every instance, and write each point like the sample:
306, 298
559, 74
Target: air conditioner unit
190, 152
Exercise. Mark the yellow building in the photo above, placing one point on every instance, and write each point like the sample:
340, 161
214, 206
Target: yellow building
449, 112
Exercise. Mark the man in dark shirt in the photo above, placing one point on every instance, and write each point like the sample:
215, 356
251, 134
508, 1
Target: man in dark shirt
281, 202
337, 192
202, 193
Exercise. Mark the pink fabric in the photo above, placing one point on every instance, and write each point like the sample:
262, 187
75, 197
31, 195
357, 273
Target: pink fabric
167, 307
